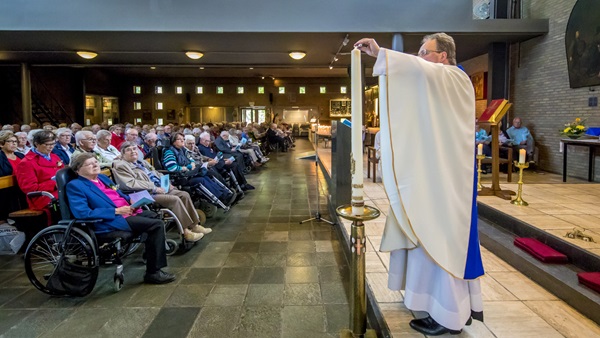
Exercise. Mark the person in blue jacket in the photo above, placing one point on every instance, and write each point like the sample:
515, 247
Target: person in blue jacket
94, 196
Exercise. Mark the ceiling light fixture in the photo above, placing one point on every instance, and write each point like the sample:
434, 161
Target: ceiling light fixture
194, 55
297, 55
86, 54
201, 67
153, 68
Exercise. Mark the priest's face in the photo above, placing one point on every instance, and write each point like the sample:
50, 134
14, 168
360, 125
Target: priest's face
430, 52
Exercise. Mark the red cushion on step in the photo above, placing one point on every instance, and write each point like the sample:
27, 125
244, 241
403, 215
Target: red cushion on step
540, 250
590, 279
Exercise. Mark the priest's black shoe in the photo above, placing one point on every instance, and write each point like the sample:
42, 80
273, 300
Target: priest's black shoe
430, 327
159, 277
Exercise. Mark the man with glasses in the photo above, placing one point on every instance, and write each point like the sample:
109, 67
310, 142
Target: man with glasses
435, 256
86, 142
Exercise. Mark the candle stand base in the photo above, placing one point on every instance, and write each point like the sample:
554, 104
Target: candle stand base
504, 194
358, 304
519, 199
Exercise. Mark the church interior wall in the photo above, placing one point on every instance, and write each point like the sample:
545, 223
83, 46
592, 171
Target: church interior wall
540, 89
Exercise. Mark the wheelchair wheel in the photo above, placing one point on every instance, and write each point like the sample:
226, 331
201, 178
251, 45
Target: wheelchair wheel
43, 253
208, 209
118, 280
171, 246
201, 216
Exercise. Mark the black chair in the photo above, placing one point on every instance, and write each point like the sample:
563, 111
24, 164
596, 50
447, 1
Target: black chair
64, 259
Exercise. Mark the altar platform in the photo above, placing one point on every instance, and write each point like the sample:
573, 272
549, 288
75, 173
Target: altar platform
514, 304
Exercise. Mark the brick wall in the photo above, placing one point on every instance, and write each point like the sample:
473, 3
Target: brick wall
540, 89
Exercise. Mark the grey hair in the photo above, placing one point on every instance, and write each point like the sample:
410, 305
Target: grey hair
80, 135
77, 161
59, 131
445, 43
126, 145
150, 136
31, 134
205, 135
190, 137
103, 133
224, 132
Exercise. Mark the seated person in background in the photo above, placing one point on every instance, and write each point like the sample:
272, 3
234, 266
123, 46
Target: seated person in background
91, 196
63, 147
104, 146
134, 174
481, 137
175, 160
194, 152
75, 127
132, 135
223, 163
520, 137
86, 143
224, 145
37, 170
235, 141
117, 136
9, 161
273, 138
22, 146
150, 140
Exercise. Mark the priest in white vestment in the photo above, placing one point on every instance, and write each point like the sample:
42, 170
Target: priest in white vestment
428, 165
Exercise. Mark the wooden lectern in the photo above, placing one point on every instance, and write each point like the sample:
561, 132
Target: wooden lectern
491, 116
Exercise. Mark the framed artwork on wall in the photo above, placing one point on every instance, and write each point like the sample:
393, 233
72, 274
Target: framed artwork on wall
479, 81
340, 108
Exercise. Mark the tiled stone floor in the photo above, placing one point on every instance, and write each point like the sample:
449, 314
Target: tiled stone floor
259, 274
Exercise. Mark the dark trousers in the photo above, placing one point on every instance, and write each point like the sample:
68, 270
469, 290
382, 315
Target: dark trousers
150, 223
235, 168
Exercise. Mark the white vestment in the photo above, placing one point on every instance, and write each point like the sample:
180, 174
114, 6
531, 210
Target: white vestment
427, 157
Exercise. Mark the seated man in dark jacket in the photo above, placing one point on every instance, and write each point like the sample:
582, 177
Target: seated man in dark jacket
223, 145
273, 138
206, 150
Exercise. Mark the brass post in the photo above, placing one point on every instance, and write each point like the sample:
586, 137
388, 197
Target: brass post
519, 200
358, 301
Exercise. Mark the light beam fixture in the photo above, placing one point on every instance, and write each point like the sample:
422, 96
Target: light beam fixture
297, 55
87, 54
194, 55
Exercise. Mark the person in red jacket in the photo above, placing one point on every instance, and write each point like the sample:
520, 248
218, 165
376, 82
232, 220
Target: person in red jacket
118, 137
37, 170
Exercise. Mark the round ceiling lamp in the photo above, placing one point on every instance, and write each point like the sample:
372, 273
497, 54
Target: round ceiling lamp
86, 54
297, 55
194, 55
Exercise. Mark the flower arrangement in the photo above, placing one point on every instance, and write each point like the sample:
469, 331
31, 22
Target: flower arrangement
574, 129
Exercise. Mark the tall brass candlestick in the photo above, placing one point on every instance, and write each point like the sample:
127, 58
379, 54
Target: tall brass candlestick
479, 158
519, 199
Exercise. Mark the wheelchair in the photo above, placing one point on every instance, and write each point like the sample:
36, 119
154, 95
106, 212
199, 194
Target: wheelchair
207, 201
64, 259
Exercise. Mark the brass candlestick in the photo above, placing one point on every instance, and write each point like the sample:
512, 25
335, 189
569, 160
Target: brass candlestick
519, 200
358, 304
479, 158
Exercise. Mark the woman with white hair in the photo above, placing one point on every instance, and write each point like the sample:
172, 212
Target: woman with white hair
22, 146
104, 146
63, 147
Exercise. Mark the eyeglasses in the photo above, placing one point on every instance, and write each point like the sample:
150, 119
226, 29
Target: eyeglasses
90, 139
10, 141
50, 144
130, 149
424, 52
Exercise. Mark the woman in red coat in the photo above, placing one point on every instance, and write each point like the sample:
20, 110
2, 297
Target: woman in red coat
37, 170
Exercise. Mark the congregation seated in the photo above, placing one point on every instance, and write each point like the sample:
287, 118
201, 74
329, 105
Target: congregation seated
239, 145
91, 196
132, 136
63, 147
86, 143
134, 174
37, 170
224, 145
274, 138
175, 160
520, 138
224, 163
117, 136
22, 146
150, 140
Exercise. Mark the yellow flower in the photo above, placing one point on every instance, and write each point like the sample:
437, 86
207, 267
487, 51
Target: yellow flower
580, 127
577, 120
567, 129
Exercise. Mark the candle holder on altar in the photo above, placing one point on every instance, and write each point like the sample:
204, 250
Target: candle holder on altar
519, 199
479, 158
358, 308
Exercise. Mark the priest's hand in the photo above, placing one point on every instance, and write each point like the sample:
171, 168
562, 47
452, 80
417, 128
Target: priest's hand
368, 46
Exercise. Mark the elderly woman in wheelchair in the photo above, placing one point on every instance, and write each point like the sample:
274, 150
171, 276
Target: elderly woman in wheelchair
94, 196
134, 174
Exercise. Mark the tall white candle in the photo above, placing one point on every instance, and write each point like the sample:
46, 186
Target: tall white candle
480, 149
357, 153
522, 155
